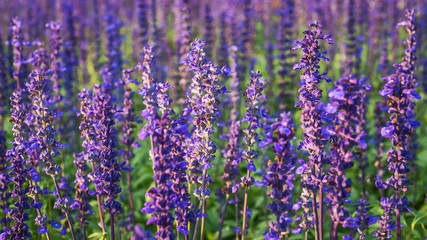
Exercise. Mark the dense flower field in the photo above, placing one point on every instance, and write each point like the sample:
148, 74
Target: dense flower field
197, 119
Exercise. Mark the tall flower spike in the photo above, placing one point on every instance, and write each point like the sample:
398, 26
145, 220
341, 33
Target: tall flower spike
232, 153
162, 196
234, 96
109, 178
284, 38
46, 139
4, 84
363, 220
400, 91
347, 102
19, 73
113, 69
254, 113
312, 123
90, 153
141, 6
280, 175
202, 104
128, 125
18, 174
182, 46
4, 178
209, 31
148, 89
81, 201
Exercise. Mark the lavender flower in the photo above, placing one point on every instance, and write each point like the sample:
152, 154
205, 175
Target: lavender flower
49, 146
284, 38
69, 58
3, 83
362, 219
400, 90
141, 6
55, 48
17, 158
209, 31
234, 97
148, 90
90, 154
254, 113
167, 155
222, 49
113, 69
280, 175
109, 179
4, 177
202, 105
232, 153
182, 40
18, 54
387, 225
314, 139
128, 125
347, 101
162, 195
81, 200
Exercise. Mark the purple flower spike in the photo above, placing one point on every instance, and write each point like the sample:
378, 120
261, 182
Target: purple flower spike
202, 107
280, 175
18, 174
311, 118
349, 97
254, 113
399, 89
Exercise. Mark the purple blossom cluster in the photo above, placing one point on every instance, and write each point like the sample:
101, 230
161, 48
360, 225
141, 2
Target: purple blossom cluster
160, 162
202, 110
400, 89
347, 102
312, 121
280, 175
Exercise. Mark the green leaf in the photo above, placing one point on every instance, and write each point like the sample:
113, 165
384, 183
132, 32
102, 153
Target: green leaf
417, 218
98, 235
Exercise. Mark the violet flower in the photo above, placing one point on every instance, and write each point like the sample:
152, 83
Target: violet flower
167, 155
254, 113
400, 90
284, 38
91, 153
347, 102
113, 69
232, 153
202, 106
312, 123
362, 219
222, 49
108, 180
280, 175
234, 96
4, 84
4, 178
162, 196
18, 174
69, 58
46, 139
142, 15
386, 223
81, 200
128, 124
209, 31
19, 74
55, 48
182, 46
